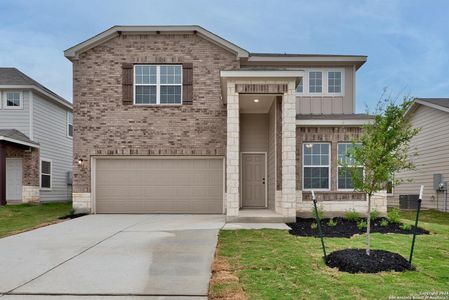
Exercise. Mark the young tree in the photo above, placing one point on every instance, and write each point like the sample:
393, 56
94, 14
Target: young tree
382, 150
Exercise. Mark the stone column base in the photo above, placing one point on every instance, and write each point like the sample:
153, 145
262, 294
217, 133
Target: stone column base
30, 194
82, 203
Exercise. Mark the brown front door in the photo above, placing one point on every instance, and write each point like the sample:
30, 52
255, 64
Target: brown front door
253, 180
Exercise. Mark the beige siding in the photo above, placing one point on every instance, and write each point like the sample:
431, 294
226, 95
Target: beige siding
432, 145
271, 159
253, 132
330, 104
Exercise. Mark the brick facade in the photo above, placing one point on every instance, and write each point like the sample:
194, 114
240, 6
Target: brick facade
104, 126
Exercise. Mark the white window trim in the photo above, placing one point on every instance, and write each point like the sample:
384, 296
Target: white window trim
338, 167
51, 174
325, 82
158, 85
5, 95
67, 124
317, 166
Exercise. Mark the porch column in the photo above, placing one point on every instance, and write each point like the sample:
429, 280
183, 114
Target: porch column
232, 152
2, 173
288, 205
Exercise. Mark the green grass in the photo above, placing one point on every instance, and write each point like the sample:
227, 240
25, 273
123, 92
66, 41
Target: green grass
22, 217
272, 264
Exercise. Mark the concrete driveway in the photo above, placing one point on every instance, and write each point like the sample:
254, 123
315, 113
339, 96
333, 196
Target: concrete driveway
112, 255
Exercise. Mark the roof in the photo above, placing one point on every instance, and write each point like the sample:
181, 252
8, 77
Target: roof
14, 78
73, 52
436, 103
333, 119
17, 137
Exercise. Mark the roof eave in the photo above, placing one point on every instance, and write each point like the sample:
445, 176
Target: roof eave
350, 59
15, 141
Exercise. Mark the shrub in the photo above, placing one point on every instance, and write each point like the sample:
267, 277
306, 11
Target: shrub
313, 226
384, 223
361, 224
352, 215
374, 215
394, 216
320, 212
405, 226
332, 222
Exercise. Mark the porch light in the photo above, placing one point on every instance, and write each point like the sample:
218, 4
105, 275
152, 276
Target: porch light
309, 146
256, 100
80, 161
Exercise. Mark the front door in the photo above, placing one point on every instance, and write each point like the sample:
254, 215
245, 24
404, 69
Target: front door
253, 180
14, 179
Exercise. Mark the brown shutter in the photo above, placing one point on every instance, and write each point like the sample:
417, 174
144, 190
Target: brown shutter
187, 83
127, 84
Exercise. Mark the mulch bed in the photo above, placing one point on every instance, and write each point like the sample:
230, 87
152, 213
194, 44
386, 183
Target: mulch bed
345, 228
356, 261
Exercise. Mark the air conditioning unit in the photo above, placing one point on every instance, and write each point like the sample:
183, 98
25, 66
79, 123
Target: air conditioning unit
408, 201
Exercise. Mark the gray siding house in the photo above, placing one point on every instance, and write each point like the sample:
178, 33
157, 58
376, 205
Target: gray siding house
432, 146
35, 141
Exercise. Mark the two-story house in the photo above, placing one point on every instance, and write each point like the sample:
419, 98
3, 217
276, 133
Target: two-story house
175, 119
36, 141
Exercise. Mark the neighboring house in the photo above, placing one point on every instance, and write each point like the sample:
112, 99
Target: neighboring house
432, 162
175, 119
35, 141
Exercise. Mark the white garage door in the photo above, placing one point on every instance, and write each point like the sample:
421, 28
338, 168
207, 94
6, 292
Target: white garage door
191, 185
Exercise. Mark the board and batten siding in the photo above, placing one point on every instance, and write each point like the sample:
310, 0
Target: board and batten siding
432, 145
50, 131
16, 118
253, 132
327, 104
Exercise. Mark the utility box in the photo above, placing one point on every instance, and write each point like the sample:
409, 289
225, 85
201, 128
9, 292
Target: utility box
69, 177
437, 180
408, 201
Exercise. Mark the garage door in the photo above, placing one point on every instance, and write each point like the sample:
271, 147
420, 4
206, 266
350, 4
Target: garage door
159, 185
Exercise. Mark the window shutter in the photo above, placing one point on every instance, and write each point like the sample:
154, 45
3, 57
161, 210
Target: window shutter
127, 83
187, 84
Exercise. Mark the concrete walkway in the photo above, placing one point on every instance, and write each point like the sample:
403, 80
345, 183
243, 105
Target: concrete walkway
106, 256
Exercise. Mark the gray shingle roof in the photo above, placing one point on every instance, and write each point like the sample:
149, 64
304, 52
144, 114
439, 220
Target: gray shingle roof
334, 117
12, 76
444, 102
16, 135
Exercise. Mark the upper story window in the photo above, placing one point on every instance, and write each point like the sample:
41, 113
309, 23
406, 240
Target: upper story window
316, 166
334, 82
69, 124
157, 84
344, 176
315, 82
13, 100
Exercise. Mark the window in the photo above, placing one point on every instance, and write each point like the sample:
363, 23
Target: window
46, 174
69, 124
316, 166
13, 100
334, 82
344, 177
315, 82
389, 187
157, 84
300, 87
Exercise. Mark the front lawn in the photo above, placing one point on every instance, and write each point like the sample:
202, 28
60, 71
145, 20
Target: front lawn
22, 217
272, 264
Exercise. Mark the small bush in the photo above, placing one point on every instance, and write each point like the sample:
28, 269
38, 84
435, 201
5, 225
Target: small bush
394, 216
352, 215
361, 224
320, 213
332, 222
313, 226
374, 215
405, 227
384, 223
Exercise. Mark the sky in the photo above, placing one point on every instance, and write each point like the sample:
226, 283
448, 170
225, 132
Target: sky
407, 42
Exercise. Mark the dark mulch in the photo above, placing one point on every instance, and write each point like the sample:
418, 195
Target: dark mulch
356, 261
72, 216
344, 228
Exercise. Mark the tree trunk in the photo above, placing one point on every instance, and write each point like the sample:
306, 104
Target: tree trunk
368, 226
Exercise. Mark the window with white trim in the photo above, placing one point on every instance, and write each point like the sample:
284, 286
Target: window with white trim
300, 87
344, 176
316, 166
315, 82
157, 84
334, 82
13, 100
46, 176
69, 124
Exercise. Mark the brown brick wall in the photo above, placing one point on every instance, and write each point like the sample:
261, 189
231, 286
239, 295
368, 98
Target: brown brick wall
104, 126
30, 162
332, 135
